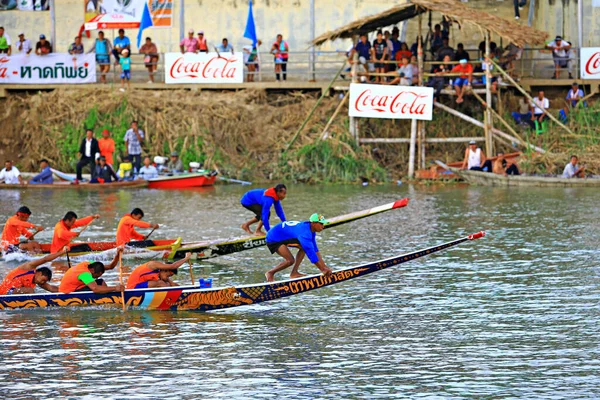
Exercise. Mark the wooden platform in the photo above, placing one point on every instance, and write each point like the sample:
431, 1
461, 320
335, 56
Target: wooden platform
529, 83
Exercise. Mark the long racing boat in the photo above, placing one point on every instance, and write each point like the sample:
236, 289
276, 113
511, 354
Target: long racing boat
194, 298
172, 249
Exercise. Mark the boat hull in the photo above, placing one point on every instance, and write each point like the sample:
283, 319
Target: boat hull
182, 181
192, 298
81, 186
437, 172
491, 179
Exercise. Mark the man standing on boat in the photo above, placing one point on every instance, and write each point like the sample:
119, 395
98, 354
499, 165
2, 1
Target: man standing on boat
298, 233
259, 201
86, 276
126, 230
475, 159
24, 278
155, 274
17, 226
62, 230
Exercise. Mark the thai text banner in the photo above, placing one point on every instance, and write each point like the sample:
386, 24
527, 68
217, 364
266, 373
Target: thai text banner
160, 10
52, 68
397, 102
204, 68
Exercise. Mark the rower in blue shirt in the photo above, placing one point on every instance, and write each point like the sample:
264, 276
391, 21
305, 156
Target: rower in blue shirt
45, 176
296, 233
259, 201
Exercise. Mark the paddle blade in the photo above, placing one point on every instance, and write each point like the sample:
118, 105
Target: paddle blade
400, 203
476, 235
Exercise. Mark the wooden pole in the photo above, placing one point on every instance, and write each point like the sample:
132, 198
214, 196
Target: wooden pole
325, 135
121, 281
411, 154
420, 124
354, 71
192, 273
488, 97
527, 96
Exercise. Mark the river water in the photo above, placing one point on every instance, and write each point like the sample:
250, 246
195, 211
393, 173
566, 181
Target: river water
512, 315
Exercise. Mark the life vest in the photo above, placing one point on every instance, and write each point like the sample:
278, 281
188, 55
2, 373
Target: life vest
271, 193
125, 170
17, 278
70, 281
142, 274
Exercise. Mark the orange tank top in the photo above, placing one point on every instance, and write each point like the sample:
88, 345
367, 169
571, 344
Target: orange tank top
17, 278
142, 274
70, 281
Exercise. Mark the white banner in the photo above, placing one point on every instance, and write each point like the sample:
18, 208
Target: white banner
51, 68
160, 10
590, 62
397, 102
204, 68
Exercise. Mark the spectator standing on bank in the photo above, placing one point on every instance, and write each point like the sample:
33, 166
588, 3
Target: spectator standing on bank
134, 138
76, 47
24, 45
122, 42
102, 48
43, 47
189, 44
560, 53
125, 62
107, 146
251, 60
87, 154
5, 45
518, 4
379, 51
202, 44
225, 47
280, 50
150, 53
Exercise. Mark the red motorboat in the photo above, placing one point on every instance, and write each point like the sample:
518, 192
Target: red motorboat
181, 181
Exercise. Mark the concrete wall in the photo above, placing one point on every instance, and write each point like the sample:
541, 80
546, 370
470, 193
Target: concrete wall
559, 17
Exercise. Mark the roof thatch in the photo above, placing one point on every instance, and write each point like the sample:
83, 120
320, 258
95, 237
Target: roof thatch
452, 9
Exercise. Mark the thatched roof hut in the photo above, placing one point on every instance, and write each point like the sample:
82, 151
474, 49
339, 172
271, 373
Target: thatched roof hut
451, 9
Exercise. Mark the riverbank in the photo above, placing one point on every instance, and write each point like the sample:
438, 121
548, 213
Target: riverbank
245, 134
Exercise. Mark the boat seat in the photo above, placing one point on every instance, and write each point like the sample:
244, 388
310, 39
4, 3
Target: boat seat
541, 129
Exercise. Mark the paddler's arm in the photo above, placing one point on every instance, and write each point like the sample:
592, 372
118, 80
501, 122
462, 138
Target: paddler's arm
33, 264
49, 287
113, 173
115, 260
94, 287
175, 265
266, 212
85, 221
172, 283
313, 254
321, 265
464, 166
279, 211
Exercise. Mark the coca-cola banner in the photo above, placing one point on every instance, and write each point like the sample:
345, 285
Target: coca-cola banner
204, 68
590, 62
51, 68
398, 102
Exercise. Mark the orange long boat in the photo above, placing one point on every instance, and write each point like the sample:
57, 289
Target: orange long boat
182, 181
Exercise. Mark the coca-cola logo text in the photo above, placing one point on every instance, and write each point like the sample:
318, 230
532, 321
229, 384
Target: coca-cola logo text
214, 68
404, 102
3, 68
592, 66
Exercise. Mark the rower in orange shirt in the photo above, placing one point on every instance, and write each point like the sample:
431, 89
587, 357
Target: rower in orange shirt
86, 276
62, 230
155, 274
24, 278
17, 226
126, 230
107, 146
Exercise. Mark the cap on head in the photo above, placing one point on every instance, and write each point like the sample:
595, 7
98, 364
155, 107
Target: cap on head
463, 61
318, 218
575, 84
42, 36
106, 131
200, 32
191, 31
472, 142
174, 154
125, 51
22, 34
102, 158
557, 38
24, 210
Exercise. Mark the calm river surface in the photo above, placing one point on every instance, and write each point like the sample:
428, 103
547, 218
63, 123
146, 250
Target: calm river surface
513, 315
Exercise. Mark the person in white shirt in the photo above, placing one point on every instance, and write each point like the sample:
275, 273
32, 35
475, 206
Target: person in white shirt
560, 53
10, 174
148, 171
475, 159
573, 170
574, 96
23, 45
538, 109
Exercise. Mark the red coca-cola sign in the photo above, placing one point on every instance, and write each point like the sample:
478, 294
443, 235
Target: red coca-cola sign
592, 66
204, 68
378, 101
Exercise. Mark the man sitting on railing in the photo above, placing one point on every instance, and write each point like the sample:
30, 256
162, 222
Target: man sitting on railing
464, 80
405, 74
560, 53
150, 53
363, 48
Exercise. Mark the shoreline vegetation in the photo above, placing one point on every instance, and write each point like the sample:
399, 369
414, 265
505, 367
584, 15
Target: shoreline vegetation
244, 134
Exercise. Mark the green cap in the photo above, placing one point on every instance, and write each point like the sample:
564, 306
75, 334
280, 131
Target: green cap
318, 218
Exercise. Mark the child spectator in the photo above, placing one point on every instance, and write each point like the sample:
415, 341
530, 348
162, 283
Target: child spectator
125, 62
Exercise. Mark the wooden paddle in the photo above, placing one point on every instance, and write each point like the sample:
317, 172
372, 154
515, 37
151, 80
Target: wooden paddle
151, 232
121, 281
192, 273
68, 259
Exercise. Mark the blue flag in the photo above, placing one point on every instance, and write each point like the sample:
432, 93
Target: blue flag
146, 22
250, 31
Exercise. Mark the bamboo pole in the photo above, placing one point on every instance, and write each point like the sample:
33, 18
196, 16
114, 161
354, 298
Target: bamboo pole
325, 92
411, 153
420, 124
325, 135
488, 97
527, 96
481, 125
354, 71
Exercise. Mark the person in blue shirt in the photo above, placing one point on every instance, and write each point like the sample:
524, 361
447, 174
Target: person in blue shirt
259, 201
225, 47
121, 43
125, 62
296, 233
363, 48
45, 176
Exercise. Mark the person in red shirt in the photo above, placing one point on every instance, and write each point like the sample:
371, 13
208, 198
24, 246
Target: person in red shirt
463, 82
17, 226
62, 230
155, 274
126, 230
107, 147
85, 276
24, 278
